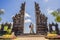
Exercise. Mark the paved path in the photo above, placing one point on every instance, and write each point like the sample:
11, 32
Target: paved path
30, 38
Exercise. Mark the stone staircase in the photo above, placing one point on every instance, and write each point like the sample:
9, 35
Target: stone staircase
31, 37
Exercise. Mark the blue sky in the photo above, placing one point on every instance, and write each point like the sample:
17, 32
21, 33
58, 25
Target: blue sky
11, 7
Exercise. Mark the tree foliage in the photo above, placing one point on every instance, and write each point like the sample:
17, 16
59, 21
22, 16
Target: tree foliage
56, 14
0, 18
54, 32
57, 19
1, 13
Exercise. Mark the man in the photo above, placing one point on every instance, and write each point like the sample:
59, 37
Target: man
31, 26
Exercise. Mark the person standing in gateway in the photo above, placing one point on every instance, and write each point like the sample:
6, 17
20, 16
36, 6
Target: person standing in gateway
31, 26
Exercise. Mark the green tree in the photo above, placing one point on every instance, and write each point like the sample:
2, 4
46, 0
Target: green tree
0, 18
1, 12
56, 14
54, 32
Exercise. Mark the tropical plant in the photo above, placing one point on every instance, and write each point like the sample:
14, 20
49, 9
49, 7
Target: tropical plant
54, 32
56, 14
1, 12
0, 18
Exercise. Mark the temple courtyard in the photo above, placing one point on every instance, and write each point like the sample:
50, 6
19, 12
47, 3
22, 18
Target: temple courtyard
30, 38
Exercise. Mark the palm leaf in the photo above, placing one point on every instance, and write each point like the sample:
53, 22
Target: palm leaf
0, 18
57, 19
55, 13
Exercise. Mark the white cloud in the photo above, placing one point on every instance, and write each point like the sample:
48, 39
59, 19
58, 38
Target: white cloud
27, 21
12, 16
49, 10
2, 11
46, 0
27, 15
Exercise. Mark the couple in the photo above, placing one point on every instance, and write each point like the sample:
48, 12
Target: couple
31, 26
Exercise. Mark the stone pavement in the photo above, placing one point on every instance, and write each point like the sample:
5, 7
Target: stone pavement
31, 37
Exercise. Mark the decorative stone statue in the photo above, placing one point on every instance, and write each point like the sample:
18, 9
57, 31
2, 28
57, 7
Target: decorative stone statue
31, 26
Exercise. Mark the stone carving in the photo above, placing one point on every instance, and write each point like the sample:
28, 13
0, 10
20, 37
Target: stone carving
18, 21
41, 21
